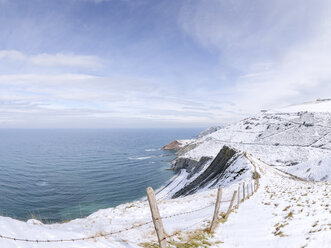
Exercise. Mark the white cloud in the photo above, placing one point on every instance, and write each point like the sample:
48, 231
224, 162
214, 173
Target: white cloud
39, 98
280, 51
95, 1
66, 60
53, 60
12, 55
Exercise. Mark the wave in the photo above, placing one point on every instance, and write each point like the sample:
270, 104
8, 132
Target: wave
140, 158
41, 183
151, 150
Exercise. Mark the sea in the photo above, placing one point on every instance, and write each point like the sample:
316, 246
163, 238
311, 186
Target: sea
57, 175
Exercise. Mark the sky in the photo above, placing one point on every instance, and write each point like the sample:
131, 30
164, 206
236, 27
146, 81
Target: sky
149, 63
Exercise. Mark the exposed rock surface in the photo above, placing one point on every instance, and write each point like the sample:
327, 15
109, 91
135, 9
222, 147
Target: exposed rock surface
214, 171
174, 145
192, 166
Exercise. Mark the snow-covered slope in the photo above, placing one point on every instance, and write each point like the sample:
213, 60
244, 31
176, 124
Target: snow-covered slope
313, 169
285, 213
297, 142
320, 105
209, 131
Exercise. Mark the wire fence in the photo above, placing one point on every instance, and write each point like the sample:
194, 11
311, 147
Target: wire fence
247, 192
167, 237
105, 234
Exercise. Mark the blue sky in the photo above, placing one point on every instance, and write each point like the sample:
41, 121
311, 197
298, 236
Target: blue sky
147, 63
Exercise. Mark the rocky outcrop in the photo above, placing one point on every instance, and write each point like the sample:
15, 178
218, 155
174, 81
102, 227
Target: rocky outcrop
190, 165
213, 173
174, 145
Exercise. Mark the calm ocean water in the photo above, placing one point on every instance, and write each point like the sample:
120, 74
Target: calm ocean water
57, 174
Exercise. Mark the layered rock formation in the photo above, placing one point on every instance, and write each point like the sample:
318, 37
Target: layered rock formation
213, 173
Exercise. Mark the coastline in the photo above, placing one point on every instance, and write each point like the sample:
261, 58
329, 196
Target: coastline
77, 173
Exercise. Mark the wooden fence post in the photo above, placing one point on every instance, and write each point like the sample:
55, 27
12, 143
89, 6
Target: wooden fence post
238, 196
216, 210
243, 191
156, 217
230, 206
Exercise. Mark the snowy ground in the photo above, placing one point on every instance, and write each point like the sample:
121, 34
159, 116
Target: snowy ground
285, 212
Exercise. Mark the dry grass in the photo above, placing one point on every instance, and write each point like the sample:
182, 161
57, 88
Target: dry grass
196, 239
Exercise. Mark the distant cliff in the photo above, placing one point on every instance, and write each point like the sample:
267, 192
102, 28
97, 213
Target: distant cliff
174, 145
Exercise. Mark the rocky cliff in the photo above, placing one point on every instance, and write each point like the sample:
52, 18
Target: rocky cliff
212, 174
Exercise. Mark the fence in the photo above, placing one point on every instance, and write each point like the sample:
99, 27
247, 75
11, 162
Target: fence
157, 219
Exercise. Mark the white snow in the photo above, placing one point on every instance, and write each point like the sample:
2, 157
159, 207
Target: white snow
321, 105
184, 142
285, 212
314, 169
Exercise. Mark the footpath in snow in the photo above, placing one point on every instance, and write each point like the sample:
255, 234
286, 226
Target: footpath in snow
285, 212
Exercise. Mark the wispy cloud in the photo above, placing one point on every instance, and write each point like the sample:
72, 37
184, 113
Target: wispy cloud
95, 1
273, 58
72, 97
53, 60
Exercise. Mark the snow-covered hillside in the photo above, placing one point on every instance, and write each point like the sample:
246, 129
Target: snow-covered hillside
320, 105
289, 149
296, 142
285, 212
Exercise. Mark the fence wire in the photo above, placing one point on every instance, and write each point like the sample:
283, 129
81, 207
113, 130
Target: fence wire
116, 232
104, 234
178, 232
